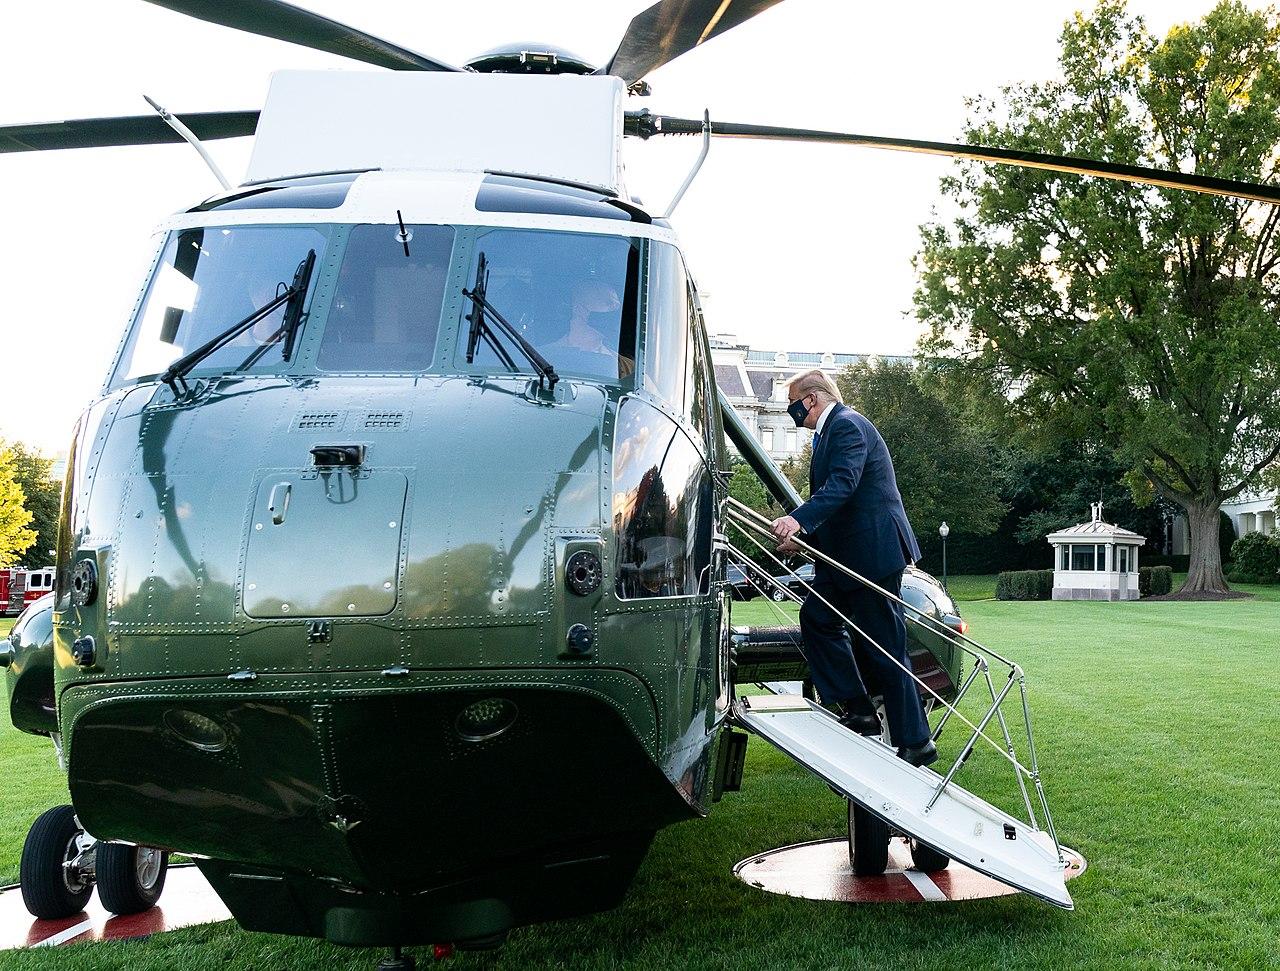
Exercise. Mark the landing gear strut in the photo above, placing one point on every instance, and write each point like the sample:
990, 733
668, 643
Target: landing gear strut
397, 960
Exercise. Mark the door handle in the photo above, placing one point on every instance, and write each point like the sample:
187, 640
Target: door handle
278, 504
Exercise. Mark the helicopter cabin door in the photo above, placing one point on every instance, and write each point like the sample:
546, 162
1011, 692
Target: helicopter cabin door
324, 543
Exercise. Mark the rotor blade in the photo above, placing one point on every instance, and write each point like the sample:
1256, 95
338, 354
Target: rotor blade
130, 130
283, 21
644, 125
672, 27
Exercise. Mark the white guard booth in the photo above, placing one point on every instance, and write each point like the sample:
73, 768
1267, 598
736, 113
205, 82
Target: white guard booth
1095, 560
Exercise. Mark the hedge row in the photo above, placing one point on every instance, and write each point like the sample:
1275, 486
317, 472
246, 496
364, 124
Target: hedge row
1025, 585
1154, 581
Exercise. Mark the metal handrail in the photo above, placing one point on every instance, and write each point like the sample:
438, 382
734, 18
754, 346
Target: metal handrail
955, 636
749, 521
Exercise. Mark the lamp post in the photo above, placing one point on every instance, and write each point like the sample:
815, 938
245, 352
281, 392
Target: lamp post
944, 531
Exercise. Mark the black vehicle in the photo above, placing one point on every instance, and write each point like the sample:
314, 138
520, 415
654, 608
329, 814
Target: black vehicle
798, 582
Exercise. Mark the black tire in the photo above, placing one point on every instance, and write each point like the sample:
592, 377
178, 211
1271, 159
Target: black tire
926, 858
49, 889
778, 595
868, 842
130, 878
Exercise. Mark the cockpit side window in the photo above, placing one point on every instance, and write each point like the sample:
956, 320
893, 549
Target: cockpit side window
207, 279
698, 385
666, 334
573, 296
386, 307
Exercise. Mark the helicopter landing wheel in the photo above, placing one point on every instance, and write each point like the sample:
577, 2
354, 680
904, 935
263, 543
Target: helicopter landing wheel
397, 960
868, 842
130, 878
54, 884
925, 858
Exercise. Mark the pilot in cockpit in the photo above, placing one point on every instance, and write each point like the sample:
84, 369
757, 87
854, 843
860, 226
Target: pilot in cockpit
583, 348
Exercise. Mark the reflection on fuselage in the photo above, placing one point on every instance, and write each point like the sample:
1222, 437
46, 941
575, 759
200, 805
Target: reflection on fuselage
661, 506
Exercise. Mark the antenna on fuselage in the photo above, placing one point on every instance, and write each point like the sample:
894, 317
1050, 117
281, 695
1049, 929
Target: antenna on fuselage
697, 166
189, 135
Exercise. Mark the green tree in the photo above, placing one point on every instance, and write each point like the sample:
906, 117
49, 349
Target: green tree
43, 496
15, 536
1142, 317
747, 488
946, 468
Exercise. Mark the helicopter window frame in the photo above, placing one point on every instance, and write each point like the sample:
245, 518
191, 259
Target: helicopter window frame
704, 365
668, 387
211, 367
630, 322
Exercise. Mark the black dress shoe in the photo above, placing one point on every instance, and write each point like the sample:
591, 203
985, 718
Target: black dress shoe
862, 724
925, 753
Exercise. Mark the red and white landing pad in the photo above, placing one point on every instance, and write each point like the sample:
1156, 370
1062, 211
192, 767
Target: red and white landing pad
821, 871
187, 899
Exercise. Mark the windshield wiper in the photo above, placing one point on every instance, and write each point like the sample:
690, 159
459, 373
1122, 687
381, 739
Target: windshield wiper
293, 295
288, 328
480, 329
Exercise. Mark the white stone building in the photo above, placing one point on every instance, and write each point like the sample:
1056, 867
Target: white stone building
1252, 513
755, 382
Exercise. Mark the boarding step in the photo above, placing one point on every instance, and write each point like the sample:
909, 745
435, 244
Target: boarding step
869, 772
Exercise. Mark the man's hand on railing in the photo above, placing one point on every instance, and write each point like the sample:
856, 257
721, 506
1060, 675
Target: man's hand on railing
784, 528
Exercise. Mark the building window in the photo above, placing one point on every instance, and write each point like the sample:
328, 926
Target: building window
1083, 557
1122, 552
1102, 557
791, 439
766, 439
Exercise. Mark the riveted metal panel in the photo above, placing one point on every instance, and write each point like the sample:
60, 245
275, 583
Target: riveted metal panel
329, 548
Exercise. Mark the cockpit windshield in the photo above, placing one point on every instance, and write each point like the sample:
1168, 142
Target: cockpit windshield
571, 295
208, 279
377, 303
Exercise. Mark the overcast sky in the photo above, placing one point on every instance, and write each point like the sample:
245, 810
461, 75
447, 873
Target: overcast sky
799, 247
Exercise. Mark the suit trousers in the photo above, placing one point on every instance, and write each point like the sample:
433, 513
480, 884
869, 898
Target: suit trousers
850, 672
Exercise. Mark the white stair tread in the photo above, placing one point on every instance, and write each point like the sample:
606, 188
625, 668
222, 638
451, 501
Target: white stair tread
869, 772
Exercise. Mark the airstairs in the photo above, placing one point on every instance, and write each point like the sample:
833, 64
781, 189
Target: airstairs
928, 806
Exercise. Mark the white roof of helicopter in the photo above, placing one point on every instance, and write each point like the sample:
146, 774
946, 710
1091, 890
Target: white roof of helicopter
564, 127
423, 197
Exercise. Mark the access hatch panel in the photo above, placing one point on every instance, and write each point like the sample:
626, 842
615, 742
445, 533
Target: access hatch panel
324, 544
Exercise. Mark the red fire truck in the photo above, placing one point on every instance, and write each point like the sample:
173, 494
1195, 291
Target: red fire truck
19, 587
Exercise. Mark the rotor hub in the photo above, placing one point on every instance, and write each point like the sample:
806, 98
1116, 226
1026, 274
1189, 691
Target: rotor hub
530, 58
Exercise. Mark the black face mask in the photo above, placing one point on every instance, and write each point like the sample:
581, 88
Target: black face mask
798, 412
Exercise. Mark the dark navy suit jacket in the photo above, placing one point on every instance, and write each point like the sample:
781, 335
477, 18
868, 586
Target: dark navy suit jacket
854, 514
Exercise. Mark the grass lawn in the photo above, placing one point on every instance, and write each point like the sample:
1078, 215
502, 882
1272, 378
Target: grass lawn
972, 587
1152, 731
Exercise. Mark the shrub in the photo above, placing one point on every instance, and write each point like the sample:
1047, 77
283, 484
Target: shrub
1255, 558
1144, 581
1025, 585
1161, 580
1046, 584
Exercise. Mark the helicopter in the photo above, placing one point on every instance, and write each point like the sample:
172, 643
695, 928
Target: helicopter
390, 579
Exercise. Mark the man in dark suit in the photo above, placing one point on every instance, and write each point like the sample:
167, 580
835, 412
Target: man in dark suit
854, 515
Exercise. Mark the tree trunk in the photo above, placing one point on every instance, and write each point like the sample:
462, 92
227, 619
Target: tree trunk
1205, 572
